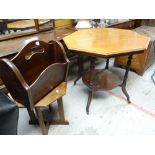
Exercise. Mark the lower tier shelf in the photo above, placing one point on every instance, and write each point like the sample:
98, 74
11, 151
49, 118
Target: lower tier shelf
99, 79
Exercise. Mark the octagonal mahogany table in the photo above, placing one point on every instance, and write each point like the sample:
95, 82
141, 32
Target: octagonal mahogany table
105, 43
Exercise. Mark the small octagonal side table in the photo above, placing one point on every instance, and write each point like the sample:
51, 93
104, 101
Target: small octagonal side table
105, 43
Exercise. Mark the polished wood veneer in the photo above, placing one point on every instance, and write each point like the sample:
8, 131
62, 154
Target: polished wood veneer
25, 24
106, 42
12, 46
100, 79
37, 76
52, 96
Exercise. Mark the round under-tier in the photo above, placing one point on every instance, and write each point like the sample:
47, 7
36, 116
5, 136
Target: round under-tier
99, 79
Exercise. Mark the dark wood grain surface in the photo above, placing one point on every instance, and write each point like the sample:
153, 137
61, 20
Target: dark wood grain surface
13, 46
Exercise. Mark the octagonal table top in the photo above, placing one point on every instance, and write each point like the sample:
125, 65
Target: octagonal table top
106, 42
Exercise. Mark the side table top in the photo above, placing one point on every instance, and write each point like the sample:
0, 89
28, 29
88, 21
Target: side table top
106, 42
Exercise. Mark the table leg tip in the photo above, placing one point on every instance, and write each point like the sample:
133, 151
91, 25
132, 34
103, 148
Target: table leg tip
129, 101
87, 112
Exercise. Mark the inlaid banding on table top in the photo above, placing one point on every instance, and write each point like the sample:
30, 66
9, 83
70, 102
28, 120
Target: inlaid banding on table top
106, 41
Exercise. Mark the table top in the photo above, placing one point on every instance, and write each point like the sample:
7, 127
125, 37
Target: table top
106, 42
23, 24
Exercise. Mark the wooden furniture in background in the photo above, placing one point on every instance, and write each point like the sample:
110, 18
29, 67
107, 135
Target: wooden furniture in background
13, 46
25, 27
36, 77
143, 61
139, 62
105, 43
129, 24
63, 23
